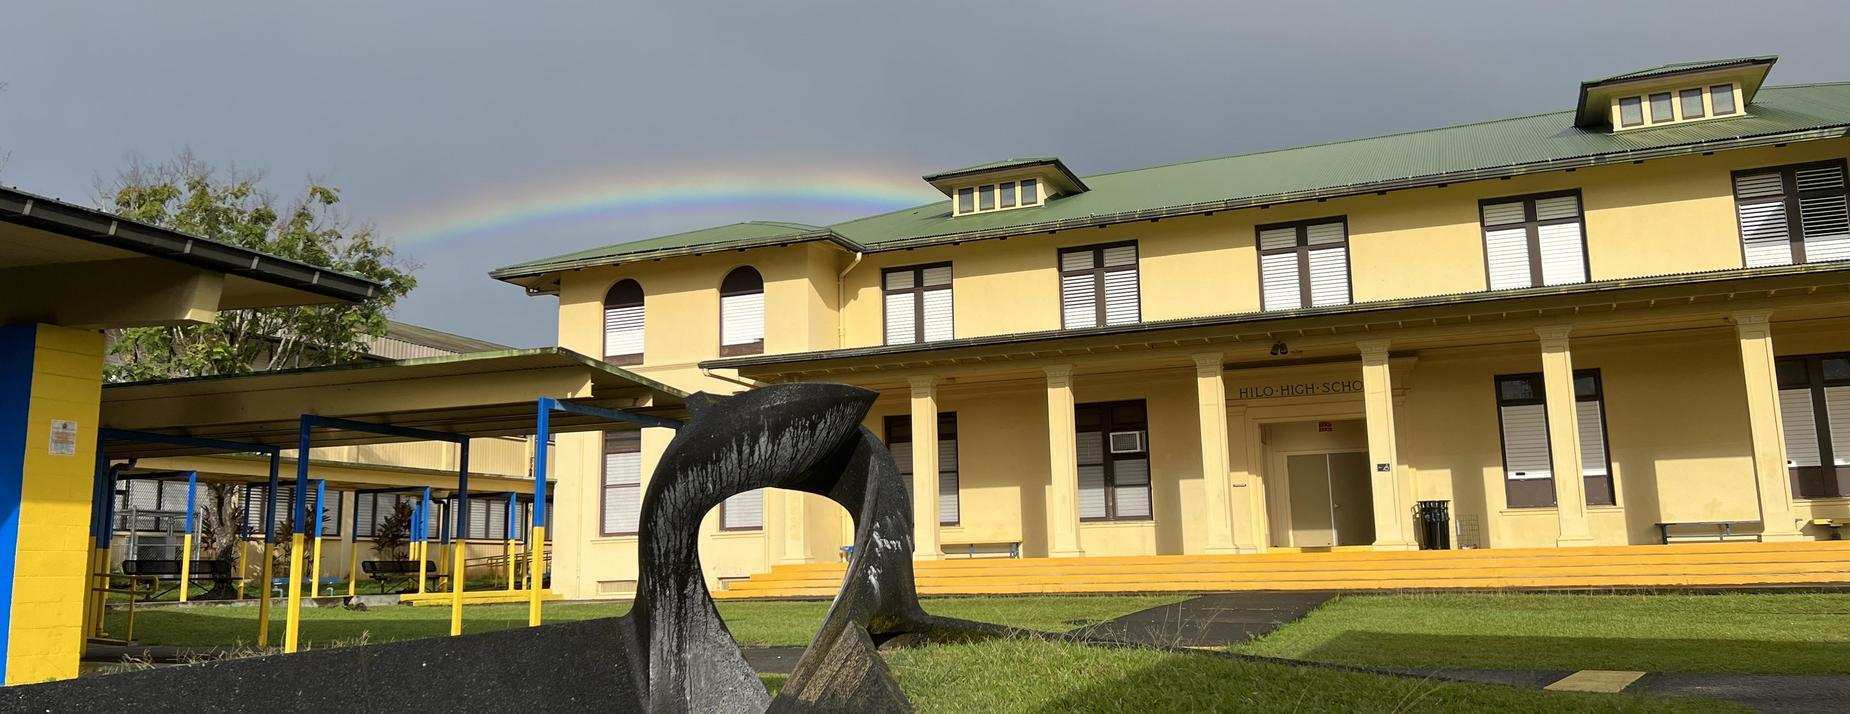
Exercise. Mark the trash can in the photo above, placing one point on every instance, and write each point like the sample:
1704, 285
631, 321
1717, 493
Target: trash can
1435, 519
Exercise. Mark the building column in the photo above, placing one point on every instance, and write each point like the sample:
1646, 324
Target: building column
1754, 330
1211, 400
795, 546
1564, 437
925, 468
1063, 465
1393, 516
51, 382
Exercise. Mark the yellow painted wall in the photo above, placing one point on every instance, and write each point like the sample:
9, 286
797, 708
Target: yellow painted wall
1664, 216
45, 638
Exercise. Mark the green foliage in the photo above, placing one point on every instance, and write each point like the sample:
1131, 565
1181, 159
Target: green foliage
393, 532
187, 195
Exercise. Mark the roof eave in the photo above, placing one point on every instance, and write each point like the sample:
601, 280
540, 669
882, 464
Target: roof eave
104, 228
945, 182
534, 277
803, 361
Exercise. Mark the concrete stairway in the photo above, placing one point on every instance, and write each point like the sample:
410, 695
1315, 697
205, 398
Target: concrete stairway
1682, 565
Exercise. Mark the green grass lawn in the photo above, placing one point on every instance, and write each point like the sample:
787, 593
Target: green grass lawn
1031, 676
1788, 633
752, 623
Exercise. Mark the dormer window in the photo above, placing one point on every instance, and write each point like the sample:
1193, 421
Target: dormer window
1671, 94
1671, 107
1025, 193
1006, 185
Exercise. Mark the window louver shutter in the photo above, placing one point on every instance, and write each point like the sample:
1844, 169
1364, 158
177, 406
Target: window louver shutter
1823, 215
899, 318
937, 296
1078, 301
364, 512
741, 319
1525, 442
1278, 272
623, 330
1506, 249
622, 492
1761, 208
947, 481
1592, 439
1563, 250
745, 510
1801, 428
1121, 300
1837, 412
1090, 448
1329, 264
1132, 481
497, 519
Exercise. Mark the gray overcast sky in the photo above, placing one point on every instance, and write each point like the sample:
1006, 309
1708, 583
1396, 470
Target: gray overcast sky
485, 133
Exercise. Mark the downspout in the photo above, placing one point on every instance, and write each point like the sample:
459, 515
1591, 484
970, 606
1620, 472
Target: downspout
841, 299
742, 381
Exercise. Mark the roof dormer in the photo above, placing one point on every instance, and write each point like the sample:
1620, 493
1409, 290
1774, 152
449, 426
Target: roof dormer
1672, 94
1006, 185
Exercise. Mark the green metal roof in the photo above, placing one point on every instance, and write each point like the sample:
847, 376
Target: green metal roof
992, 165
1680, 67
735, 235
1469, 152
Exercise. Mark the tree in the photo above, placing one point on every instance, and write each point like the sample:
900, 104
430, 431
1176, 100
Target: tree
219, 521
190, 196
393, 532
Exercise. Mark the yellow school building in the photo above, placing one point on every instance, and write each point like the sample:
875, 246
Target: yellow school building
1618, 324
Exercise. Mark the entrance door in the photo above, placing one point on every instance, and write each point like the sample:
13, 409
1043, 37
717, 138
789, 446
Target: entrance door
1352, 498
1313, 522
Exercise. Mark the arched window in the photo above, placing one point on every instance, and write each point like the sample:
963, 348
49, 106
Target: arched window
623, 323
741, 312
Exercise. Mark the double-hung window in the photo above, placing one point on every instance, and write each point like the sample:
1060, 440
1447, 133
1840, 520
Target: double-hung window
918, 303
1528, 465
1112, 445
1814, 411
1534, 240
899, 442
1792, 214
621, 500
1304, 264
1098, 286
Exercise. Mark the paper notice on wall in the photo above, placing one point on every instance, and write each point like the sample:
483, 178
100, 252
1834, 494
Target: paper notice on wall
63, 437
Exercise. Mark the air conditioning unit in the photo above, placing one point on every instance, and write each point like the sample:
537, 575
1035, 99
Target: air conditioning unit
1128, 442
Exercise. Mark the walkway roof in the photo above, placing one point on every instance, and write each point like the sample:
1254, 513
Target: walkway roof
70, 265
479, 394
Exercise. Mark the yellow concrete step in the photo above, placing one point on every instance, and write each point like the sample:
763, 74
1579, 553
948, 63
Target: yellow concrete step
1321, 558
1625, 581
483, 597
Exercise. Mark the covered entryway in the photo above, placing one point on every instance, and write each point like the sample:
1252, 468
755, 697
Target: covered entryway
1319, 479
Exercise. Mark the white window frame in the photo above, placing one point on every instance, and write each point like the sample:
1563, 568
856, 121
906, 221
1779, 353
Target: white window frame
995, 189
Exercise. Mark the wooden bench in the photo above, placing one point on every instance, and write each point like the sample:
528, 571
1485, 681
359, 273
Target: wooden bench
1835, 524
387, 571
1724, 530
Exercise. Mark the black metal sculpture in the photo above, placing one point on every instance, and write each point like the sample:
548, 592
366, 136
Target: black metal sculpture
801, 437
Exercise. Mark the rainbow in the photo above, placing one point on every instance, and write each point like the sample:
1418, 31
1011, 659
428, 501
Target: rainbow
822, 191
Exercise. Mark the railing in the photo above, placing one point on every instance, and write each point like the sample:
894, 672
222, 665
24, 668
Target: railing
499, 565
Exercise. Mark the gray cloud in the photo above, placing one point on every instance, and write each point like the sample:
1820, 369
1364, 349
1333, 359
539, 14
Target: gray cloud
414, 105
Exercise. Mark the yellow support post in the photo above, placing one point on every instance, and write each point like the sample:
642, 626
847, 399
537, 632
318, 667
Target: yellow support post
186, 565
456, 588
265, 573
240, 565
534, 575
422, 550
314, 570
353, 568
507, 553
292, 617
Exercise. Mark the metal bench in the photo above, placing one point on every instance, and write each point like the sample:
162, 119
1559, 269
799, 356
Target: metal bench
387, 571
168, 571
1724, 530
